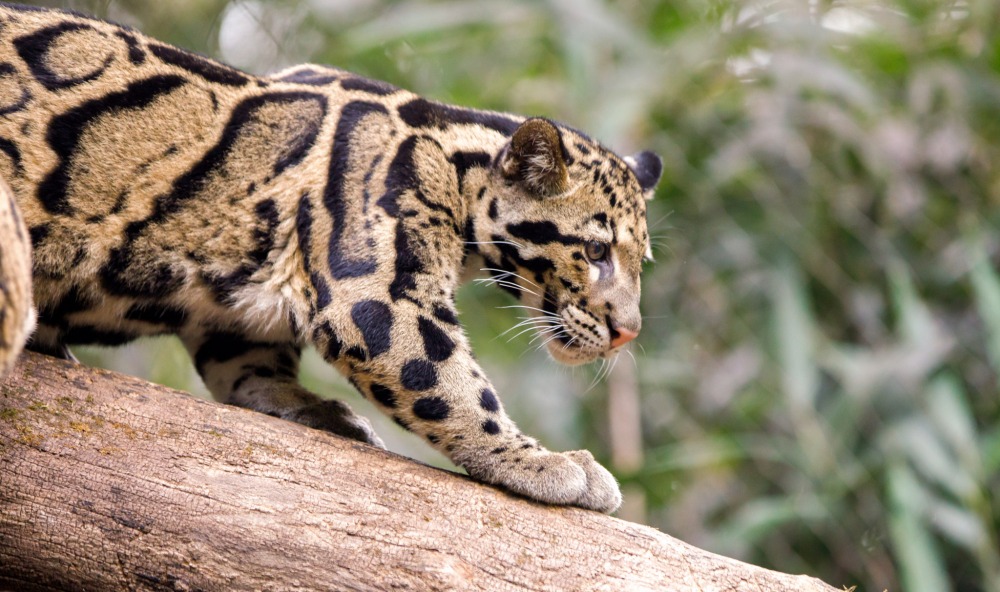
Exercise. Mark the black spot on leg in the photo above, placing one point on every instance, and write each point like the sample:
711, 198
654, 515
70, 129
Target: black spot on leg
491, 427
374, 319
489, 401
383, 394
437, 345
431, 408
418, 375
445, 314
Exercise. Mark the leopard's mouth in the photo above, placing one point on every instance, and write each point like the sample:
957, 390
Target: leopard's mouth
581, 339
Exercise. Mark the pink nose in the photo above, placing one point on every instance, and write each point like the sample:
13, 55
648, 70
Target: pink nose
621, 336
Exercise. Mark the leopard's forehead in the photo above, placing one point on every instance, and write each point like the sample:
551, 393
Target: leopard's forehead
607, 192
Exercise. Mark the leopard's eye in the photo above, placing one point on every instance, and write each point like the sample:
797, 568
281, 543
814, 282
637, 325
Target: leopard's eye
596, 251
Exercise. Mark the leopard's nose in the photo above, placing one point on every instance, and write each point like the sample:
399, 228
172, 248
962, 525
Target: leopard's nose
620, 336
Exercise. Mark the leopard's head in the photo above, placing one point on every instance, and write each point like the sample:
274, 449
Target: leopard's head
565, 229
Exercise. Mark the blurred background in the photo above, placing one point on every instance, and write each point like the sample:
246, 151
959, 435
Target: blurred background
816, 387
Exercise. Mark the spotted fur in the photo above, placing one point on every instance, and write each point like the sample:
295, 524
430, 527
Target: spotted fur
165, 193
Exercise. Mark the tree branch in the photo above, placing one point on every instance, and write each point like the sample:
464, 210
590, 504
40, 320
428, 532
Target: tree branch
108, 482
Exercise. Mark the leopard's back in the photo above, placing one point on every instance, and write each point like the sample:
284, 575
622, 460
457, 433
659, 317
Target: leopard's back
150, 179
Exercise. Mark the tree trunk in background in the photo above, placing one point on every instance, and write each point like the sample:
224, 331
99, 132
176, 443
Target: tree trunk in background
625, 436
111, 483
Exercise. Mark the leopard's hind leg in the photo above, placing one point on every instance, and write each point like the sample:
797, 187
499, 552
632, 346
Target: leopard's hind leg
263, 376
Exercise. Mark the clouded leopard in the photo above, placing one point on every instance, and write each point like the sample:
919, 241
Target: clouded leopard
160, 192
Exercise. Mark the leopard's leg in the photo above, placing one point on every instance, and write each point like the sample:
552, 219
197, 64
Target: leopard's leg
47, 340
418, 368
262, 375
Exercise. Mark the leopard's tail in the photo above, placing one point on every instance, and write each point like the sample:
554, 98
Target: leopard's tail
17, 316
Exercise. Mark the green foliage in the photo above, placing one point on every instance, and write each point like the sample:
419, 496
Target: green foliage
822, 338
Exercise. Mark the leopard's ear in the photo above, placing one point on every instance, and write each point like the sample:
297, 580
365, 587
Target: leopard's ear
647, 168
534, 158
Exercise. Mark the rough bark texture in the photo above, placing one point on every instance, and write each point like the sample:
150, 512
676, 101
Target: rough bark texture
108, 482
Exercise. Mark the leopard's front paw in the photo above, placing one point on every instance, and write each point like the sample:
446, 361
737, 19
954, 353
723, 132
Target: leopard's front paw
336, 417
567, 478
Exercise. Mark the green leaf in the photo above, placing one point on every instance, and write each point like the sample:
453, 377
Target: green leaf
986, 288
794, 326
919, 559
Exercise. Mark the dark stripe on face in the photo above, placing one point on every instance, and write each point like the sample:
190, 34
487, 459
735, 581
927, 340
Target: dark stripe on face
542, 233
34, 49
421, 113
65, 131
335, 198
511, 258
199, 65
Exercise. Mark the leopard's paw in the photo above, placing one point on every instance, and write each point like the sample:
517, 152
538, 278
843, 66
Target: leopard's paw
567, 478
602, 493
336, 417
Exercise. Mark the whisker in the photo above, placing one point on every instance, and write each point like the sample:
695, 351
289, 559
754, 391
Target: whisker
544, 312
597, 378
544, 332
540, 331
510, 273
503, 242
550, 339
502, 282
535, 321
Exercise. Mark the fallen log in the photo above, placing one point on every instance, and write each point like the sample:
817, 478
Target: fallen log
108, 482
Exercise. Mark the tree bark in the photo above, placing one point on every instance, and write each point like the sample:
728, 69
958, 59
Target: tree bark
108, 482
